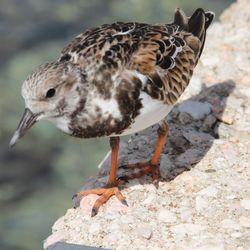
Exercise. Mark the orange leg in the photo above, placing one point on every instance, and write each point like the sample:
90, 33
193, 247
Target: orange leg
153, 165
111, 188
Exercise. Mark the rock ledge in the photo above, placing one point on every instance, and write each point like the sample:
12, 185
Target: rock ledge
203, 199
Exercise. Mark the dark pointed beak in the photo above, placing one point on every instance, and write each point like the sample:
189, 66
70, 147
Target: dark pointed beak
27, 121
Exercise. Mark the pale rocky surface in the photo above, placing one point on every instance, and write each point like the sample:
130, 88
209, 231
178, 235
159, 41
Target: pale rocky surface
203, 199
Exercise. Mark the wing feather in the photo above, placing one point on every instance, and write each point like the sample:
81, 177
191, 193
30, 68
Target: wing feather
165, 55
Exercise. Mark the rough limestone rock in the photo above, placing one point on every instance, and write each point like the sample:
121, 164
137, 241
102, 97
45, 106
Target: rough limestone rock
203, 199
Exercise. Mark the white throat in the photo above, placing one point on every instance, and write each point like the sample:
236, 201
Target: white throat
61, 122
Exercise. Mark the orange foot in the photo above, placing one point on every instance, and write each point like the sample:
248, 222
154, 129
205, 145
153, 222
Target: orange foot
144, 169
105, 194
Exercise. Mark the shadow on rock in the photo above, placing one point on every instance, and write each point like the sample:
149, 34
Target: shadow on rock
194, 125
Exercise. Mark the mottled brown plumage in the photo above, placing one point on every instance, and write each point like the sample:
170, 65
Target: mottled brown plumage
165, 53
116, 79
112, 56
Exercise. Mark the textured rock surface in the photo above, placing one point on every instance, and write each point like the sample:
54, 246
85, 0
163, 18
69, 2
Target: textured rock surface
203, 199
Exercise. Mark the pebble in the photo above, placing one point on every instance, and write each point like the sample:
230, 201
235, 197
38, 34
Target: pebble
210, 191
197, 110
166, 216
245, 203
225, 118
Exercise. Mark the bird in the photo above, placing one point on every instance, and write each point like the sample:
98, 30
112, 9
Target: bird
115, 80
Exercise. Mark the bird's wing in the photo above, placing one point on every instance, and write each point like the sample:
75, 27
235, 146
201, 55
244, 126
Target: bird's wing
107, 46
167, 56
160, 57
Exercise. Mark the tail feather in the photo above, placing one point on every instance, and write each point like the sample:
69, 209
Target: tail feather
197, 24
203, 20
181, 19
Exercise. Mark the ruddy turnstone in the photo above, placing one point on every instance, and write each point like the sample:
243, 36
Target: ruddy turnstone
115, 80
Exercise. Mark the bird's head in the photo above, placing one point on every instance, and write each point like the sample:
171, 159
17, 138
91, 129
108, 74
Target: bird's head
50, 93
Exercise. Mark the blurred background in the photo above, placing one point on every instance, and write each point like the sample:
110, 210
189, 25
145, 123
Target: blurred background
39, 176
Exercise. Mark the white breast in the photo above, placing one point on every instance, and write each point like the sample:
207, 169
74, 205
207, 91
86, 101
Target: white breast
153, 112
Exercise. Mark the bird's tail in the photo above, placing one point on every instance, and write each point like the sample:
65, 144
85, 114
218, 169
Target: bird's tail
197, 24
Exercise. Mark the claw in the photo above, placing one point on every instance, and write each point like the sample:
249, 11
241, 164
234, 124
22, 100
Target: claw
124, 202
94, 212
76, 200
74, 196
156, 184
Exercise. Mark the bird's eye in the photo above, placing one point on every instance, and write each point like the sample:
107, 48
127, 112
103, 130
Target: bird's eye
50, 93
